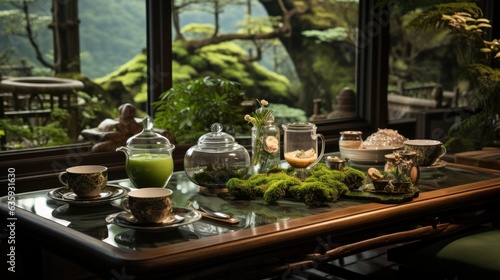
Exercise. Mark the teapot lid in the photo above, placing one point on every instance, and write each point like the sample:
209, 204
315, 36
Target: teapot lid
216, 138
147, 138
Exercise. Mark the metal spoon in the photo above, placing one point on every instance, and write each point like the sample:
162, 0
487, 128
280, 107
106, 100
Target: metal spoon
209, 211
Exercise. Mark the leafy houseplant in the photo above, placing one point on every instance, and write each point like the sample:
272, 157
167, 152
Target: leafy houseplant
187, 110
480, 62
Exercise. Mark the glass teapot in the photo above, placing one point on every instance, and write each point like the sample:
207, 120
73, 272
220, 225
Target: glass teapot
149, 160
216, 159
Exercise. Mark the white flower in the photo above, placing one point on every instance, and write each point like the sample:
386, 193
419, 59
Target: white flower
271, 144
264, 103
249, 118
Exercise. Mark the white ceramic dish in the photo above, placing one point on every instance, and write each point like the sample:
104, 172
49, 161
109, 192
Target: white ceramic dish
367, 156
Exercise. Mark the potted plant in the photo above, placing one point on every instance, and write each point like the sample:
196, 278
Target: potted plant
189, 109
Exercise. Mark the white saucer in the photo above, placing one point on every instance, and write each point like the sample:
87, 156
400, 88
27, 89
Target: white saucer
180, 217
109, 193
436, 165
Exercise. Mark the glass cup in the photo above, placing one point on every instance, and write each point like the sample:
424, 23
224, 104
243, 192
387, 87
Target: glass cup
301, 147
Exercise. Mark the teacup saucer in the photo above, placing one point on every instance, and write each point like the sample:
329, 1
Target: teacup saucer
74, 196
109, 193
180, 217
128, 217
436, 165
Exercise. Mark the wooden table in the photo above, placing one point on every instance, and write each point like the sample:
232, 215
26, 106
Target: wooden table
488, 158
271, 240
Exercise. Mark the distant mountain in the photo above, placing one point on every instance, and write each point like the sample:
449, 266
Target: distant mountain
111, 33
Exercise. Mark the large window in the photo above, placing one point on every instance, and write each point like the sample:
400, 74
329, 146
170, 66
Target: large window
98, 40
299, 57
368, 82
317, 60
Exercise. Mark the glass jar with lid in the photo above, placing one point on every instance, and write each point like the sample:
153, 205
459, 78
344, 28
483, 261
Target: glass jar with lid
215, 159
350, 139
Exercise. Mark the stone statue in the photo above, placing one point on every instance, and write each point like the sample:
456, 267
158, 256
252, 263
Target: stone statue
346, 105
111, 134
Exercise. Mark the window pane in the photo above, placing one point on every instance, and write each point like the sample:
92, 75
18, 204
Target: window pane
300, 66
108, 41
423, 67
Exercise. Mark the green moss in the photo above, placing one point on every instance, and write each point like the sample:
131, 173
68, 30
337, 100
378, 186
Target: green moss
178, 49
182, 72
227, 48
136, 64
142, 96
197, 62
220, 61
322, 187
261, 70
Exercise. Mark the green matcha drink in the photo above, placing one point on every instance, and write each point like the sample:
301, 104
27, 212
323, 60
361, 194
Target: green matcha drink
150, 170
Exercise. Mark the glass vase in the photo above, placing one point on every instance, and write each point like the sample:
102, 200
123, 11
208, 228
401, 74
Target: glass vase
265, 148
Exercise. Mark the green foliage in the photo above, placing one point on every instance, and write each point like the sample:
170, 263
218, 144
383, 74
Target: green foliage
198, 31
138, 64
328, 35
21, 135
433, 16
93, 105
286, 114
182, 73
232, 50
189, 109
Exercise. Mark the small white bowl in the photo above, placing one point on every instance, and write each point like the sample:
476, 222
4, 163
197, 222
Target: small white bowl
367, 155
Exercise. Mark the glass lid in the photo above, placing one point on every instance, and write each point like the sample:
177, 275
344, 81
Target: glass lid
216, 138
148, 138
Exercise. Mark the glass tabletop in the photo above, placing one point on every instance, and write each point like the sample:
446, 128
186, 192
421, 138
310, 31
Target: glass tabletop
94, 220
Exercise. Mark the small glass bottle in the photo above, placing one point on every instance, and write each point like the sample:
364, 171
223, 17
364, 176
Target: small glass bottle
265, 147
350, 139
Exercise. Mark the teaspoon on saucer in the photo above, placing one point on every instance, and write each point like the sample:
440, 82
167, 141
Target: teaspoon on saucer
216, 214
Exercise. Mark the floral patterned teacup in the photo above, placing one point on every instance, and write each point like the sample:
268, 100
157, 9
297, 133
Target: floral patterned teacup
86, 181
427, 151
